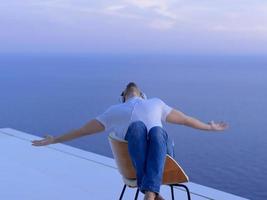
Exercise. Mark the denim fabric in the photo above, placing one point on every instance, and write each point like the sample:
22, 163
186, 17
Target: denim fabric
170, 147
148, 152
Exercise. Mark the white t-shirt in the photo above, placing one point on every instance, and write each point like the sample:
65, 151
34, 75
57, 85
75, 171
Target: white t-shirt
150, 111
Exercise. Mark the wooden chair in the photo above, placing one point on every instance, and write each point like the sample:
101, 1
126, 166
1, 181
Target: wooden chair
173, 174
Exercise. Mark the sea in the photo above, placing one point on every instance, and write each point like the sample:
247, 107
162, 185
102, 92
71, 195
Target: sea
54, 93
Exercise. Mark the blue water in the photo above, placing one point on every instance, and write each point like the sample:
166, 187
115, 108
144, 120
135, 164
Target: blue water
51, 94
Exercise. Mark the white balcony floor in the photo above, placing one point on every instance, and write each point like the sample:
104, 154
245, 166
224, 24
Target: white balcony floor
63, 172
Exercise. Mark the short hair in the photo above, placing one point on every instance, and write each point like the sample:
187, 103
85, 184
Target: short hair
131, 87
131, 84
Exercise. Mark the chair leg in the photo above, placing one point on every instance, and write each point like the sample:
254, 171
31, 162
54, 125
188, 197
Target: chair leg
122, 192
172, 192
136, 194
186, 188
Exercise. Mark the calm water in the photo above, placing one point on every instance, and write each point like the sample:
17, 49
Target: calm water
53, 94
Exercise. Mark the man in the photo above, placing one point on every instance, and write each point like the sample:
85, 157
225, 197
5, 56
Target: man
139, 121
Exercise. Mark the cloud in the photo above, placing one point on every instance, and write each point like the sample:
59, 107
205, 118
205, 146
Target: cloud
160, 7
118, 10
115, 7
162, 24
144, 4
192, 15
156, 12
137, 24
166, 13
228, 28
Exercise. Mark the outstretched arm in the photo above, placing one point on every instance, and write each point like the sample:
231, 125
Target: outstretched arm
177, 117
93, 126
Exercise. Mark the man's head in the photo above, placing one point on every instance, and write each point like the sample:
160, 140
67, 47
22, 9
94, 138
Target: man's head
131, 90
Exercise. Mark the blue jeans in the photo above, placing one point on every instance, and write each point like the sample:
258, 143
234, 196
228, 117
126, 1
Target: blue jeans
148, 152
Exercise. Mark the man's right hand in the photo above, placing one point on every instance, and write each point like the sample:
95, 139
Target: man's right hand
93, 126
46, 141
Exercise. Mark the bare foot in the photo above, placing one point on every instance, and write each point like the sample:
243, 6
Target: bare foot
149, 195
159, 197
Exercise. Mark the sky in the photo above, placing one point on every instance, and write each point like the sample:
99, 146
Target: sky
134, 26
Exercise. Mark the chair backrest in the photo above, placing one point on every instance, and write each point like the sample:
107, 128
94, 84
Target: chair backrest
121, 155
173, 173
